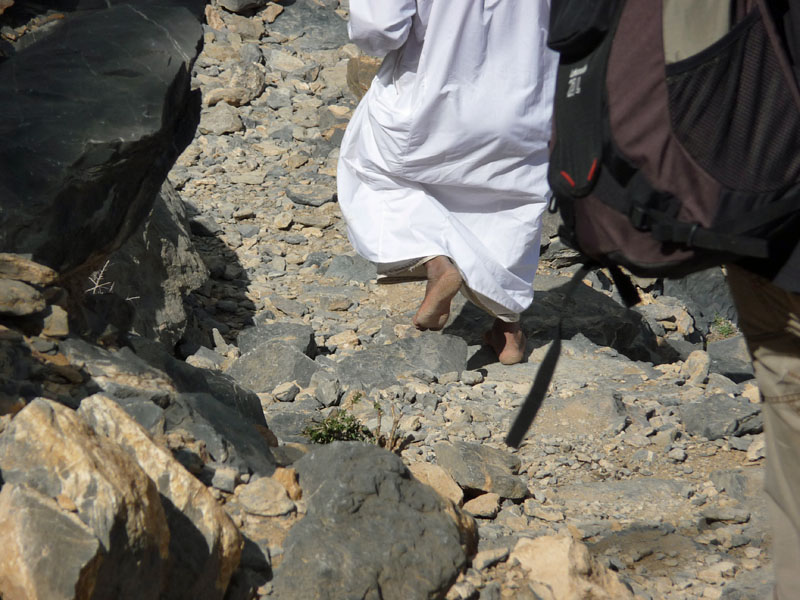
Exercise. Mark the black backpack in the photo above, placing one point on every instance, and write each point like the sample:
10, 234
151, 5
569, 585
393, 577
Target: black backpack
676, 141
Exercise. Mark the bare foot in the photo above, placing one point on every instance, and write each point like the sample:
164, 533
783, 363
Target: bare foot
444, 281
507, 340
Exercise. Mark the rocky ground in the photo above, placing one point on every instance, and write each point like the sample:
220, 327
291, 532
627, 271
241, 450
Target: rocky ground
653, 461
648, 449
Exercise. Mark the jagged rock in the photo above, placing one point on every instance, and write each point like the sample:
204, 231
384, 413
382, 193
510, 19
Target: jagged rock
439, 479
316, 26
119, 373
205, 545
720, 415
561, 568
479, 467
219, 120
48, 448
361, 70
230, 440
188, 379
157, 267
239, 6
730, 357
695, 369
706, 296
14, 266
94, 125
365, 510
20, 299
310, 195
265, 497
380, 366
351, 268
297, 335
31, 522
270, 364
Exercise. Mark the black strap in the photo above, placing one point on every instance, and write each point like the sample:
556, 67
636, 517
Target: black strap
533, 402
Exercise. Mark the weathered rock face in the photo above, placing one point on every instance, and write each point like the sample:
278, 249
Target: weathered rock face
93, 124
156, 268
46, 447
560, 568
30, 522
205, 545
369, 526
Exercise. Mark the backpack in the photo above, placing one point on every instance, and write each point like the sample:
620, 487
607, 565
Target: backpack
676, 140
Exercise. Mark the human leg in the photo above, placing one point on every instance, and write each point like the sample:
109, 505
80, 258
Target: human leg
505, 337
770, 320
444, 281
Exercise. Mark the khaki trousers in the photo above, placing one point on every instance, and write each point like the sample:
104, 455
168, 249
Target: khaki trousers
769, 317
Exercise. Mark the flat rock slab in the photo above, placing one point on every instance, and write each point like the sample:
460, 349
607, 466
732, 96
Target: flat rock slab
297, 335
269, 364
372, 531
379, 367
480, 467
720, 415
351, 268
644, 499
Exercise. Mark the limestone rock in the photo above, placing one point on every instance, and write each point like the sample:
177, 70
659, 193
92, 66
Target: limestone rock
20, 299
94, 125
439, 480
297, 335
481, 467
220, 119
369, 525
380, 366
14, 266
720, 415
561, 568
47, 552
361, 70
205, 545
270, 364
48, 448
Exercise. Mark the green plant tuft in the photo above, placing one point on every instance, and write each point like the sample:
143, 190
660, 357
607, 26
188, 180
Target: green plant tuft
338, 427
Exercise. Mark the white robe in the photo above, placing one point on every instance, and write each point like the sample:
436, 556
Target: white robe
447, 152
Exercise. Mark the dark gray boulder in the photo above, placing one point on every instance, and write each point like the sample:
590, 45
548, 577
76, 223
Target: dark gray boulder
372, 531
706, 296
92, 124
351, 268
297, 335
229, 439
189, 379
156, 268
380, 366
270, 364
720, 415
479, 467
730, 357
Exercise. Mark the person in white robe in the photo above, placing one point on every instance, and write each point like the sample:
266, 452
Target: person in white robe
442, 169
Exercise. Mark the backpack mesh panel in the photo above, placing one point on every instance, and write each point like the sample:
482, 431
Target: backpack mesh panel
733, 112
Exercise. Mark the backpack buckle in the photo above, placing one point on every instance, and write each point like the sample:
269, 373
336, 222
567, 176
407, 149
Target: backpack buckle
639, 218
